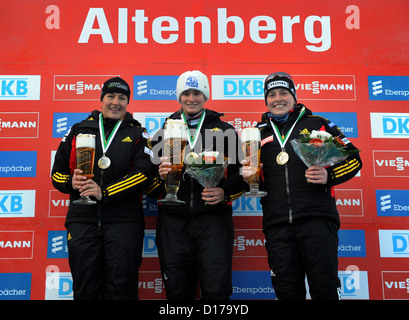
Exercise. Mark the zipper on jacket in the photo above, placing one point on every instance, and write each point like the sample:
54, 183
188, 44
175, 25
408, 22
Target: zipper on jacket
99, 206
287, 186
192, 195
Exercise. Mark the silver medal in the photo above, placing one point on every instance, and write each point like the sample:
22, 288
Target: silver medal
104, 162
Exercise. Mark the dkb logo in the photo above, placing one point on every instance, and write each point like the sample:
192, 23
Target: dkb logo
20, 87
16, 204
149, 244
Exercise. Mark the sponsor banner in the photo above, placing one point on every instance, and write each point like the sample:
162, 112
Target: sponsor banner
308, 87
249, 285
354, 284
395, 285
17, 203
249, 243
20, 87
392, 203
58, 286
349, 202
150, 206
57, 247
391, 163
247, 206
63, 121
58, 204
388, 88
149, 244
154, 87
346, 121
18, 164
240, 87
15, 286
79, 87
390, 125
394, 243
16, 244
325, 87
351, 243
242, 120
151, 286
19, 124
152, 122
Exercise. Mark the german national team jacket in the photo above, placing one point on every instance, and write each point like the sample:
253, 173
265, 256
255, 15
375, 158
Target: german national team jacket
190, 190
121, 184
289, 195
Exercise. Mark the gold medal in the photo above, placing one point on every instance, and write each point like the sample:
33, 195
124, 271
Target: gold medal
104, 162
282, 158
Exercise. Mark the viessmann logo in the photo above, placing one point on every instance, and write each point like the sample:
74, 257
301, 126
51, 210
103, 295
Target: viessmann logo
391, 163
16, 244
79, 87
309, 87
19, 124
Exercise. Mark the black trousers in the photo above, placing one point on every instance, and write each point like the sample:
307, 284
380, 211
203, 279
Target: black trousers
192, 248
105, 260
307, 247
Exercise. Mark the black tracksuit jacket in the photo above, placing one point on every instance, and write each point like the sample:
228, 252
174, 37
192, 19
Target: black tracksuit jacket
121, 184
289, 195
190, 190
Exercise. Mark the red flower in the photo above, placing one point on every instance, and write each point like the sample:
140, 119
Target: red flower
316, 141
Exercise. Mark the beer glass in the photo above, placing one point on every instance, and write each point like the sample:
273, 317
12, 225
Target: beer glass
85, 154
250, 140
175, 137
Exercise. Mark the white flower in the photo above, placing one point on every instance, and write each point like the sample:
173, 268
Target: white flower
323, 135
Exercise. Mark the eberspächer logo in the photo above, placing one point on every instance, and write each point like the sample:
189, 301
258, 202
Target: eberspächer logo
388, 87
155, 87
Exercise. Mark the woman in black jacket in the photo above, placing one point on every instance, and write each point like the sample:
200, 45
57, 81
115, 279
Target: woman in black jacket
105, 239
195, 239
300, 217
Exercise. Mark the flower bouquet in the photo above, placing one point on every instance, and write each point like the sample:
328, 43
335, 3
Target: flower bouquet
320, 148
206, 167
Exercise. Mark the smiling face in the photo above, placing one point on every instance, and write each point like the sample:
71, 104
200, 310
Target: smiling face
114, 106
192, 101
280, 101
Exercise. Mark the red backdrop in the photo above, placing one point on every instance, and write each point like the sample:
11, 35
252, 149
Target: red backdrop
349, 61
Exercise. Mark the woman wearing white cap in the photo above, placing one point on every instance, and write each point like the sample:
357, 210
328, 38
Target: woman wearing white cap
195, 239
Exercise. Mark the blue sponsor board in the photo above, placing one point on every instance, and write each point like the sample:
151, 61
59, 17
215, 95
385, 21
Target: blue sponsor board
252, 285
18, 164
351, 243
15, 286
392, 203
57, 247
388, 87
63, 121
346, 121
155, 87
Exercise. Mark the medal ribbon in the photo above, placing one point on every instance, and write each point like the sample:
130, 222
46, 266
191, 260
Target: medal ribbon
283, 140
192, 140
106, 143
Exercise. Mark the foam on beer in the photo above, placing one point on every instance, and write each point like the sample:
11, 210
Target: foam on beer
250, 134
85, 140
175, 129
